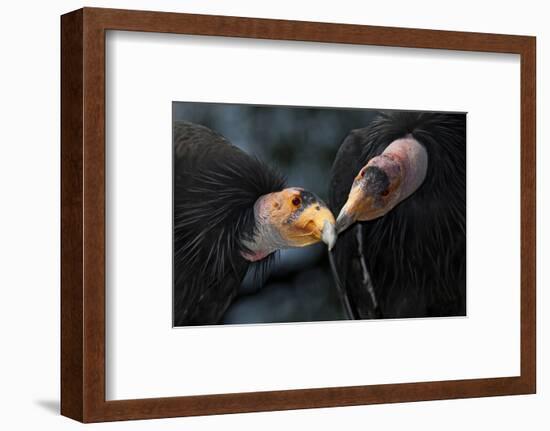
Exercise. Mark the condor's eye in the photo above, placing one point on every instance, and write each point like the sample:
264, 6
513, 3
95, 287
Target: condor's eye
296, 201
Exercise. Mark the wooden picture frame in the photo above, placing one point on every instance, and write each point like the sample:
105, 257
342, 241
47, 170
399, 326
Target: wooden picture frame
83, 214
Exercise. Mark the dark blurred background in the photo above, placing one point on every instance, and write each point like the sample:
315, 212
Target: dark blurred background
302, 144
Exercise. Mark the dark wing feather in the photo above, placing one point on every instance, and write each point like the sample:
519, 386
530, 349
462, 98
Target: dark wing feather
416, 253
347, 254
215, 187
345, 167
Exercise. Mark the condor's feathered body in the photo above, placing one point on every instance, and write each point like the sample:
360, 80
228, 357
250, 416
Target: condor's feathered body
215, 188
411, 262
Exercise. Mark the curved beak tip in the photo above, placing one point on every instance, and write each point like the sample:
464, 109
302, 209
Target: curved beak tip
343, 221
328, 234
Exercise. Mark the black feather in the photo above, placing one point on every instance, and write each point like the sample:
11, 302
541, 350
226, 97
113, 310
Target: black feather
215, 187
416, 254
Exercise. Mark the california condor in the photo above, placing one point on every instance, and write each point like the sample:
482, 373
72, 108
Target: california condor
231, 212
399, 187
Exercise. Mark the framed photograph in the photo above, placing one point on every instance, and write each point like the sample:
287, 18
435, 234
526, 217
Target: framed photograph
268, 215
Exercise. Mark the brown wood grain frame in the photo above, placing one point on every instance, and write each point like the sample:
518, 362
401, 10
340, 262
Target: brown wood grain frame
83, 214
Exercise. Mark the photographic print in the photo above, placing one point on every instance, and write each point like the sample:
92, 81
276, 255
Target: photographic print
300, 214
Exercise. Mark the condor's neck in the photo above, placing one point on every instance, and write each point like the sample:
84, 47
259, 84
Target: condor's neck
266, 238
